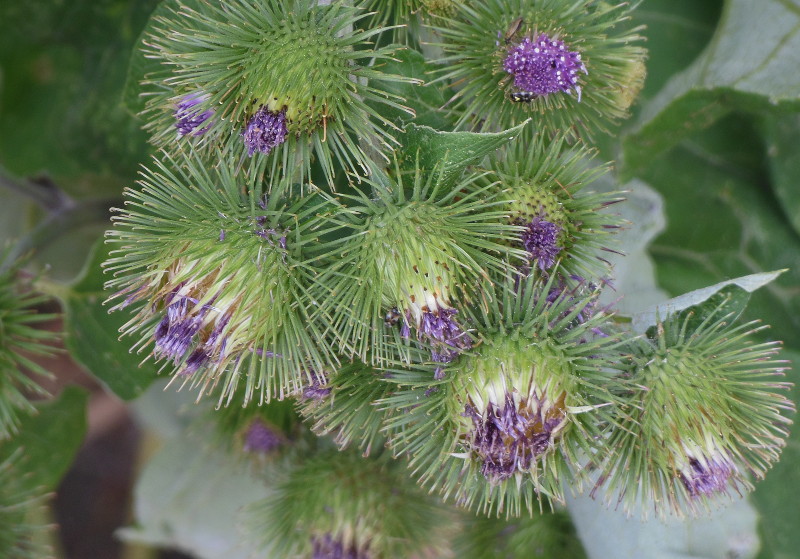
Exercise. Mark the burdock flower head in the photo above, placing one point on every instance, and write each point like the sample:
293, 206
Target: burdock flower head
296, 79
197, 255
562, 62
412, 246
518, 409
342, 505
20, 537
704, 415
547, 187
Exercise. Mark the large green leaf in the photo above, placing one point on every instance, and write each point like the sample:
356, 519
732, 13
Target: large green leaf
782, 136
91, 334
63, 65
747, 65
50, 439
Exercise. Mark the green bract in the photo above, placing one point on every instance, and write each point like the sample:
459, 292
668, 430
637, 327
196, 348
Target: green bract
704, 416
516, 417
19, 536
306, 61
477, 39
225, 276
20, 339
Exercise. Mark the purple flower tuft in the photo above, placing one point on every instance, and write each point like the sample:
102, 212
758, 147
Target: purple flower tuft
707, 475
540, 239
328, 547
189, 117
543, 65
508, 439
443, 333
317, 390
260, 438
265, 131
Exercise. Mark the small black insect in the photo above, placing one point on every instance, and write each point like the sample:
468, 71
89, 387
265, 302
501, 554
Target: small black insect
523, 96
392, 317
513, 29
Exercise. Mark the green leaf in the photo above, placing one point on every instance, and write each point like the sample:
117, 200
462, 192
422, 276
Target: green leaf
425, 100
734, 294
63, 65
50, 438
450, 152
746, 66
676, 32
782, 136
91, 334
605, 532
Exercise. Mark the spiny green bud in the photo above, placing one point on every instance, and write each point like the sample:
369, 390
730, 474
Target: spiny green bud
216, 273
564, 63
338, 504
20, 339
343, 406
703, 416
290, 77
411, 249
508, 424
546, 187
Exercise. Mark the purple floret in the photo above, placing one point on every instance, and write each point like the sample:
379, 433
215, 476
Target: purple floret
540, 240
442, 333
190, 118
265, 131
260, 438
708, 476
328, 547
508, 439
543, 65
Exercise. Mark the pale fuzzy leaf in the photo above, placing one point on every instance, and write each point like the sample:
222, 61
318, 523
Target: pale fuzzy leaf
606, 533
634, 282
189, 497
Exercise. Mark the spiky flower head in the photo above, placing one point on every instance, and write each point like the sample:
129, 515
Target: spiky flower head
508, 424
413, 244
562, 62
20, 340
20, 537
295, 79
345, 407
216, 272
339, 504
704, 416
546, 186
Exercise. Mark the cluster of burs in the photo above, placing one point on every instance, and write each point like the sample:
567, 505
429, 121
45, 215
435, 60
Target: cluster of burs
371, 235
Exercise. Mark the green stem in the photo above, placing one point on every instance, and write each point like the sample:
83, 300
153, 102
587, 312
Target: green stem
72, 216
42, 191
